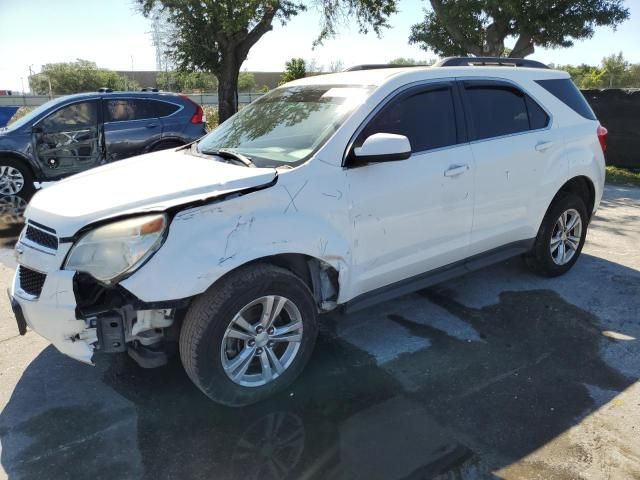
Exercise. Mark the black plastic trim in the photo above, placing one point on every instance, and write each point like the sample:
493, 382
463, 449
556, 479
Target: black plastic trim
438, 275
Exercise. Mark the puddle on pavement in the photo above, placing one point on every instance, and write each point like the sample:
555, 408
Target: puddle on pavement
472, 407
458, 409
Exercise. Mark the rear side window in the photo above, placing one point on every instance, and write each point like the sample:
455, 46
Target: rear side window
496, 110
426, 118
564, 90
538, 118
120, 110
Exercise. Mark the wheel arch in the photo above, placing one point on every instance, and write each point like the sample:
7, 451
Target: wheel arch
174, 140
583, 187
21, 158
321, 277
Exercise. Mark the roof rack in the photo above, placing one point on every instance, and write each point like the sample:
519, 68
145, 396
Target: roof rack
491, 61
375, 66
105, 90
149, 89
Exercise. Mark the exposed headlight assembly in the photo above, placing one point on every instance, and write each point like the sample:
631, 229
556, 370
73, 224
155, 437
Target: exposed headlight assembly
113, 250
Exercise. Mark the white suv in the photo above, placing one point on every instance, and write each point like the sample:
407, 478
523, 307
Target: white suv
339, 190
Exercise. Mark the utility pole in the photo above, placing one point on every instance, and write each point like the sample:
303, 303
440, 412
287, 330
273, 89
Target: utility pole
29, 79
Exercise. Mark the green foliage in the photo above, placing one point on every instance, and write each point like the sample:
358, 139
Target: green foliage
408, 61
480, 27
294, 69
187, 82
613, 72
622, 176
216, 35
78, 76
246, 82
264, 89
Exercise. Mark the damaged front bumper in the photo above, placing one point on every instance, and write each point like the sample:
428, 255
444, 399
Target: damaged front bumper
53, 315
46, 299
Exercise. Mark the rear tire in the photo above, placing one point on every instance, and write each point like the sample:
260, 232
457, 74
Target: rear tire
213, 345
15, 177
561, 237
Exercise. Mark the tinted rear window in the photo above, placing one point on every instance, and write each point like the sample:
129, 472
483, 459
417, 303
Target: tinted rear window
568, 93
118, 110
496, 110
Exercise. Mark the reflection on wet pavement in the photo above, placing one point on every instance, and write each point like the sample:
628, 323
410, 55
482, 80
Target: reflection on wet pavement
12, 209
459, 409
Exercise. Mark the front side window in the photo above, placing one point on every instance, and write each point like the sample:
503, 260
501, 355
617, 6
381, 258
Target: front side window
72, 117
426, 118
287, 125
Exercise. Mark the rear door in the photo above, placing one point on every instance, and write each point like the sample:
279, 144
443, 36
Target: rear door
130, 125
514, 144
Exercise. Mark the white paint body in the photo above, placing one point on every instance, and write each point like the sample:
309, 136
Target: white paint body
376, 224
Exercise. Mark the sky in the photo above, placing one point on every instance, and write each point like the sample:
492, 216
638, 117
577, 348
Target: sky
115, 36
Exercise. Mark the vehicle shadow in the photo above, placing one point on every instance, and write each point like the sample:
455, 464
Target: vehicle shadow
488, 385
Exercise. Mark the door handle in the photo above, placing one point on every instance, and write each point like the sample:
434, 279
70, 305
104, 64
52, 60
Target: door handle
455, 170
542, 146
152, 125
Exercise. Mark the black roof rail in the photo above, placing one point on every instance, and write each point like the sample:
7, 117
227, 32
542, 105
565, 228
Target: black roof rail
376, 66
105, 90
490, 61
149, 89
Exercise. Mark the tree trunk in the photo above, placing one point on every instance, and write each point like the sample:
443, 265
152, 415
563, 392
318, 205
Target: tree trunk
228, 91
523, 47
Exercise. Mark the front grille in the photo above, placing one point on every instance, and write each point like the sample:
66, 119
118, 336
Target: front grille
31, 281
41, 237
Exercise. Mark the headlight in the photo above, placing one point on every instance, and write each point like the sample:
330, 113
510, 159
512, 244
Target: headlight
112, 250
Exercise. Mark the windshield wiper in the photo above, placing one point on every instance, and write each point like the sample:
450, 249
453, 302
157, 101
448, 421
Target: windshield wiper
230, 155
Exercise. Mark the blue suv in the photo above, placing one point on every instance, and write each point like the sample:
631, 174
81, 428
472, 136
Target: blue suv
77, 132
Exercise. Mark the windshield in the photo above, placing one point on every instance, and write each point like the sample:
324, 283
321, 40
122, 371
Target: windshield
28, 118
286, 126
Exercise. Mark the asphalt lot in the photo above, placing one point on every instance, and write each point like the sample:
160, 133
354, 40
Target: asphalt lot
496, 374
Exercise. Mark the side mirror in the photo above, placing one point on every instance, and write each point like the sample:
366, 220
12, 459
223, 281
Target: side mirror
383, 147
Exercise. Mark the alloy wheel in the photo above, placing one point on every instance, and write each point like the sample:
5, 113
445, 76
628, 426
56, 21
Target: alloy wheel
11, 180
261, 341
566, 236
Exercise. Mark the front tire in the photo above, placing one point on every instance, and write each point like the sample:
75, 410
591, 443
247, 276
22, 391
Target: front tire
561, 236
250, 335
15, 177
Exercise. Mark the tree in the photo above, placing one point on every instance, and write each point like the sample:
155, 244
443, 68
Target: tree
186, 81
216, 35
294, 69
480, 27
615, 68
246, 82
78, 76
407, 61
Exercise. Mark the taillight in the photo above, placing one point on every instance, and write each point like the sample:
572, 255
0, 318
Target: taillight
602, 137
197, 117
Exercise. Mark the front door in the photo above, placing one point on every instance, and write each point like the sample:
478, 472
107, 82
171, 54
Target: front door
411, 216
68, 140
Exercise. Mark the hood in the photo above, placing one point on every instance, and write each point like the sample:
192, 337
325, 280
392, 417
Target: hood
151, 182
